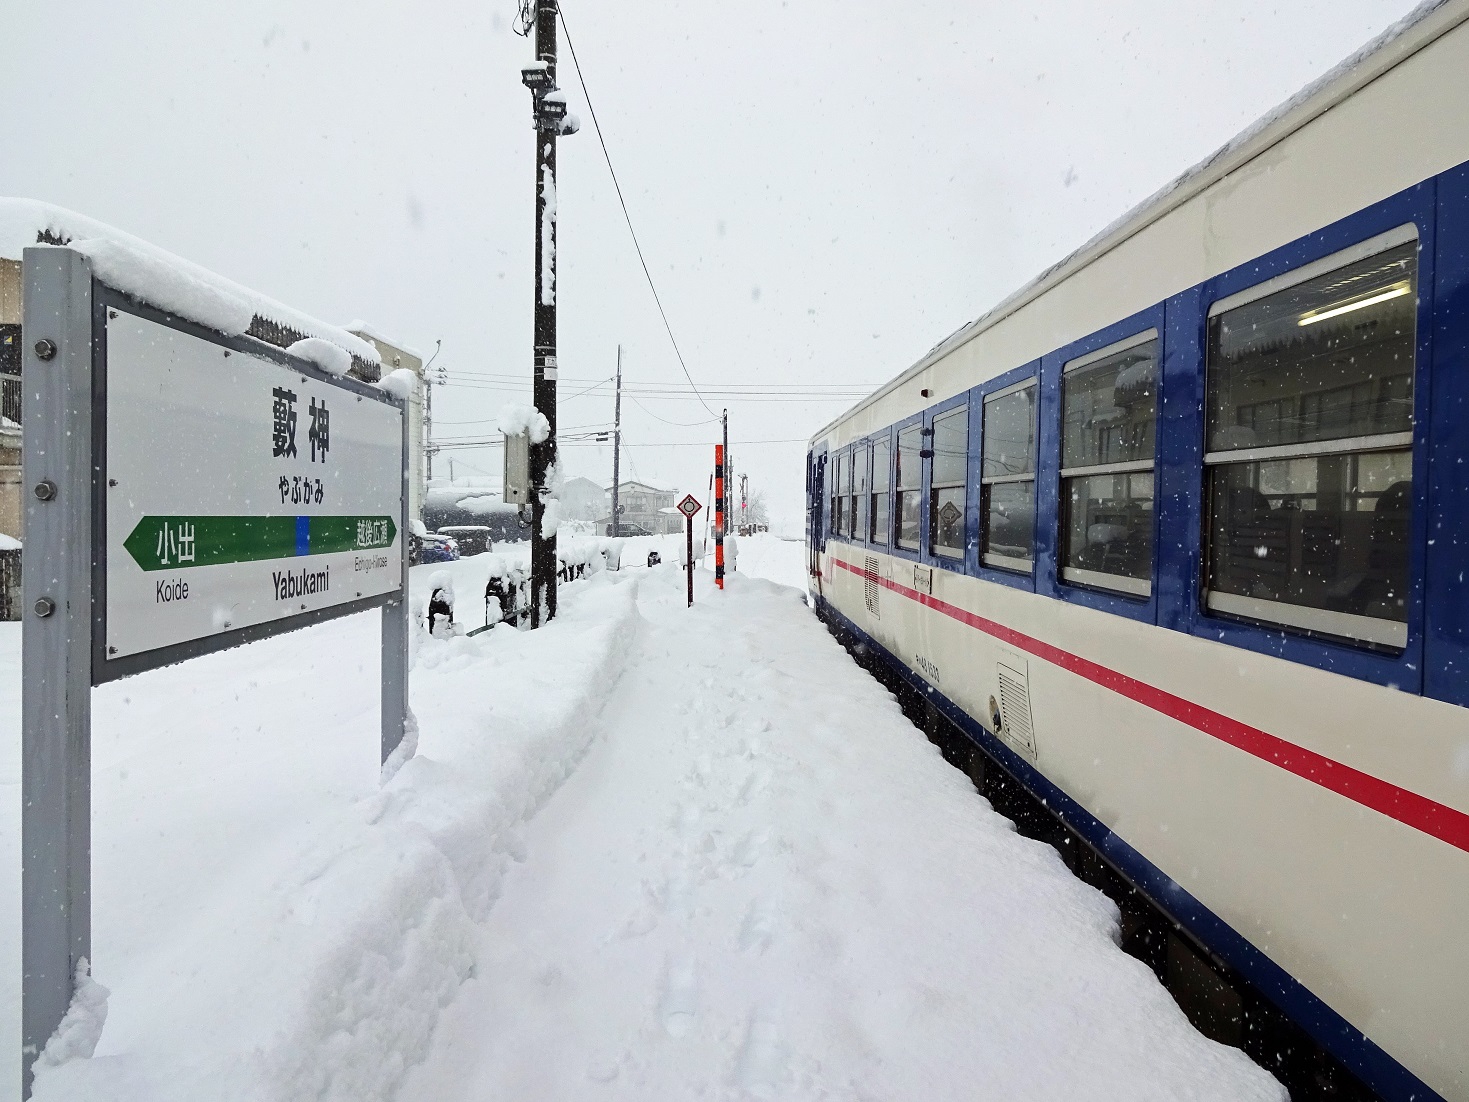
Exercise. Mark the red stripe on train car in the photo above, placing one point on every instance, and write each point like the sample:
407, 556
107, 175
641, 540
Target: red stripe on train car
1409, 808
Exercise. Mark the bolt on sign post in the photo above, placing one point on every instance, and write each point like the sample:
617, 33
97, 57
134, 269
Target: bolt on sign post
189, 492
688, 507
719, 515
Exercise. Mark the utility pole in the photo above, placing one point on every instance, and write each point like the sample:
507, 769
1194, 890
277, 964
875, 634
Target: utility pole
550, 118
728, 481
617, 447
428, 412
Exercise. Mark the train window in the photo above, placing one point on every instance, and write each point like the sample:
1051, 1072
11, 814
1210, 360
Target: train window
946, 485
837, 491
878, 515
846, 495
861, 465
1109, 404
910, 487
1309, 393
1007, 477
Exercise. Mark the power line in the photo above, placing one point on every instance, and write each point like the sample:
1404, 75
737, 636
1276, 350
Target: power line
731, 398
666, 421
860, 387
597, 126
496, 442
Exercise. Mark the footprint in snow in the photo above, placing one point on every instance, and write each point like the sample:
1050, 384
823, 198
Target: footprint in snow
757, 932
686, 817
761, 1068
678, 895
750, 847
602, 1069
680, 1000
754, 784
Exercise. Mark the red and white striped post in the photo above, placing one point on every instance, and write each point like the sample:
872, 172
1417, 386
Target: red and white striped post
719, 515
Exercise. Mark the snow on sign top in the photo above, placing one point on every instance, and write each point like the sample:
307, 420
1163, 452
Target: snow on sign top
688, 506
153, 275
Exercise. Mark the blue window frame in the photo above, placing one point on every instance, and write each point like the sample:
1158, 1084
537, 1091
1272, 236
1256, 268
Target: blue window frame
1446, 616
1101, 405
1190, 474
861, 472
879, 509
946, 440
1010, 496
907, 530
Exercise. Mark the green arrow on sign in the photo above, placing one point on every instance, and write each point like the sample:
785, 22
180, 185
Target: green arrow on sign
174, 543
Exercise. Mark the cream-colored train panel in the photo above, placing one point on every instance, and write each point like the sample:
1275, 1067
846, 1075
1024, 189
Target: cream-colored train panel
1349, 901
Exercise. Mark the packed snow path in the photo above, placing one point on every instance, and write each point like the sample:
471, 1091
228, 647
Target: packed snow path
763, 881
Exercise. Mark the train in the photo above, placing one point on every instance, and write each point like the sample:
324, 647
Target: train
1174, 540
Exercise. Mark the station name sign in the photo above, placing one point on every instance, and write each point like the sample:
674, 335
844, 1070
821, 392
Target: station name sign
242, 494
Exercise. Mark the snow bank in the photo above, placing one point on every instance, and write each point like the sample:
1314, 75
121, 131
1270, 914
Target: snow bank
324, 354
9, 543
402, 383
347, 911
81, 1027
517, 418
157, 276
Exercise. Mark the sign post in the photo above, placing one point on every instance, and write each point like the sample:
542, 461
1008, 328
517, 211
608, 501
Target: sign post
688, 507
187, 492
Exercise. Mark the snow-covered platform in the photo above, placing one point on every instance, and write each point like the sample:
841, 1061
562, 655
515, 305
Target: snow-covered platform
645, 853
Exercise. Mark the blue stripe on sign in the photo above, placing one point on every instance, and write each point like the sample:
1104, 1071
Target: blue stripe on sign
303, 535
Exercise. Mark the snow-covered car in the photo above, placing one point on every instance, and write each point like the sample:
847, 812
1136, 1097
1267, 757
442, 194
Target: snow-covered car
470, 539
437, 548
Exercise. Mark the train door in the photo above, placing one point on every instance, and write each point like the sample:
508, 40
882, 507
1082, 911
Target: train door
815, 515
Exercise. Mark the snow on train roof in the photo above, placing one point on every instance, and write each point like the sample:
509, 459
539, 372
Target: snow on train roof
156, 276
1400, 41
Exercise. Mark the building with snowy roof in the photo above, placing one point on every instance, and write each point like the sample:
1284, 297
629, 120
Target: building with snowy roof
643, 507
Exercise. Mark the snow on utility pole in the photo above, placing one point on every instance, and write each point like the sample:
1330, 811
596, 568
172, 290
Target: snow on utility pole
617, 445
550, 119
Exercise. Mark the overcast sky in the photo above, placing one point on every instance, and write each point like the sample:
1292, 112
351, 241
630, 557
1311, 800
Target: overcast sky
823, 188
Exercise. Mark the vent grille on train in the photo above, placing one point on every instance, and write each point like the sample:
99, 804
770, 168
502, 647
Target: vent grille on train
1015, 709
871, 588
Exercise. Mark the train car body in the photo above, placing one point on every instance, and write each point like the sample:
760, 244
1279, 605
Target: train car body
1179, 535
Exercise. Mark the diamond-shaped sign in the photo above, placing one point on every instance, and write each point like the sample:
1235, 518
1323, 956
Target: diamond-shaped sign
688, 506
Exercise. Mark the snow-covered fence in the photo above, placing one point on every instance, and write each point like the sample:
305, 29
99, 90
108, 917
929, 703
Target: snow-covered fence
507, 591
578, 557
